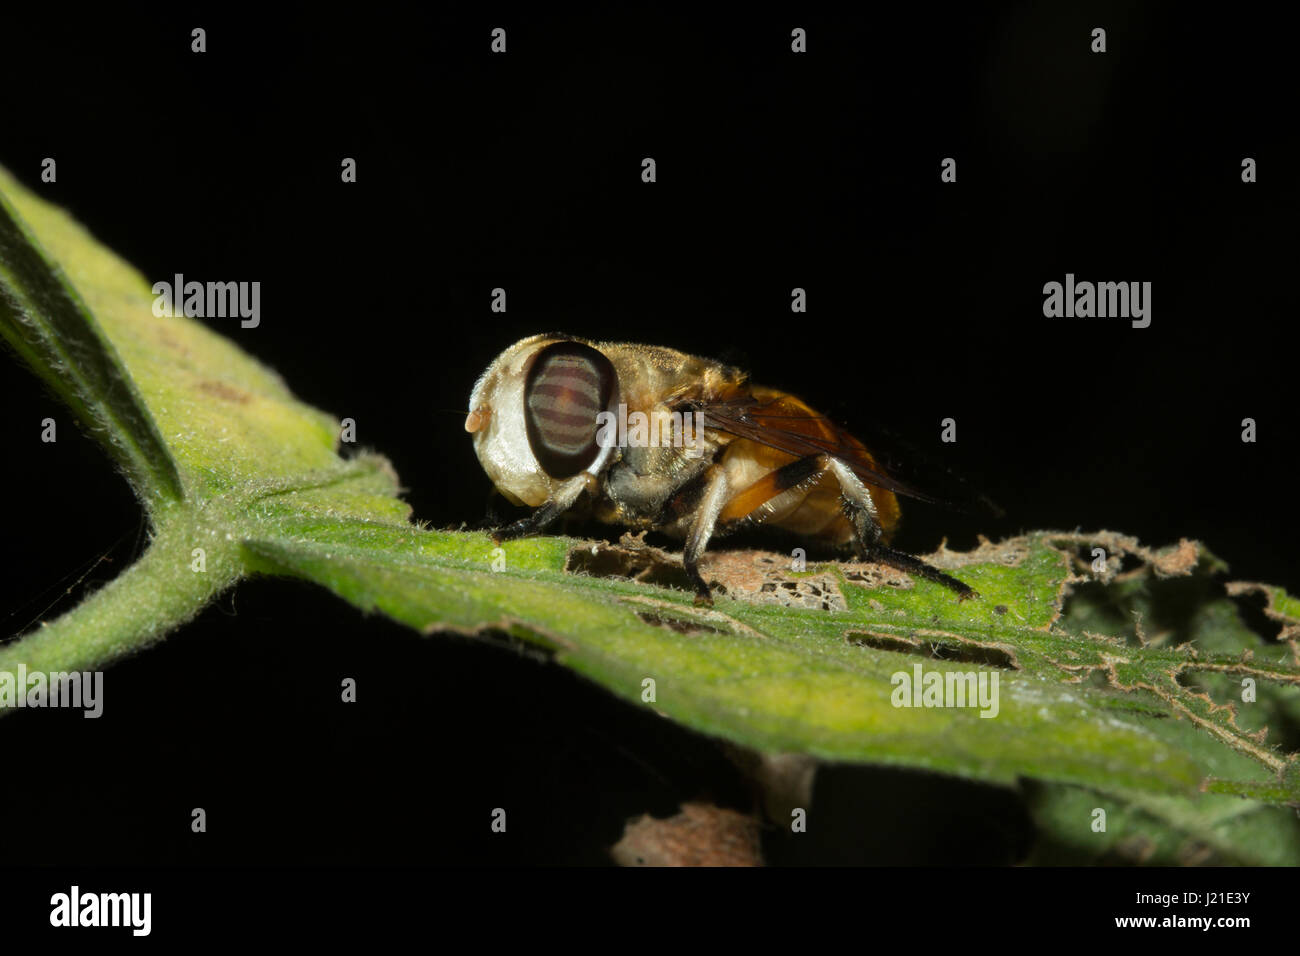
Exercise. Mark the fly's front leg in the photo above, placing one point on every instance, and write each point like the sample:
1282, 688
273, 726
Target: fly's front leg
861, 512
548, 511
716, 490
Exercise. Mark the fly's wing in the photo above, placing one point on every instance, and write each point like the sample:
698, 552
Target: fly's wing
788, 425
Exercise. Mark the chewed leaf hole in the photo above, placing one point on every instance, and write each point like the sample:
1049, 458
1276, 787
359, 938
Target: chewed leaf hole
647, 565
1252, 605
935, 650
681, 625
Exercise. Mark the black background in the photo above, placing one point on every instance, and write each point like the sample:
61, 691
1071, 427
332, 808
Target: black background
522, 171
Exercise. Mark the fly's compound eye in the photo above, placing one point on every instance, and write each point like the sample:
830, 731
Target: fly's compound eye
569, 384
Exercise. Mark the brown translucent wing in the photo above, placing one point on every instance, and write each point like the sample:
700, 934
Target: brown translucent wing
787, 424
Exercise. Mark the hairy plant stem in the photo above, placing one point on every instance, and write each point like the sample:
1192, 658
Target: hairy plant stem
153, 596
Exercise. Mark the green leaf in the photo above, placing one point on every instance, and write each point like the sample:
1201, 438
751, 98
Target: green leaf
1210, 830
783, 678
222, 419
45, 321
214, 442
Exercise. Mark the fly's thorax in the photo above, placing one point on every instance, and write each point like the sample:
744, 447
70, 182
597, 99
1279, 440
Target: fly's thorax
650, 375
641, 483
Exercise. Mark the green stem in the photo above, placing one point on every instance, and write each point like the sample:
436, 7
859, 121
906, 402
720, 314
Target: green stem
155, 595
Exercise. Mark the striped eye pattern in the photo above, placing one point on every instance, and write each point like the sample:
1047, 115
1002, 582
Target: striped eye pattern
569, 384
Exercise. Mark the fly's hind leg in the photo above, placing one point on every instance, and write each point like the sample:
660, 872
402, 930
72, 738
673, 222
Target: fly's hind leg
861, 512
